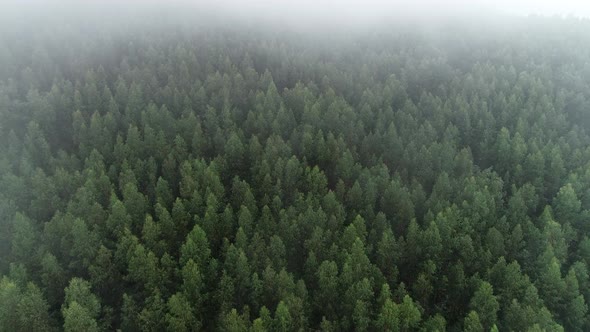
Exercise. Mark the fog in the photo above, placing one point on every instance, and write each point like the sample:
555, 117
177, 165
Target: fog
355, 12
304, 12
382, 8
577, 8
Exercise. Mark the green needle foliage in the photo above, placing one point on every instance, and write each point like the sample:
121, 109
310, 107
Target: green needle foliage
188, 177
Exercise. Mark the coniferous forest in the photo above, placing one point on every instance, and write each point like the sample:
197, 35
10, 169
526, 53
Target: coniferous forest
162, 174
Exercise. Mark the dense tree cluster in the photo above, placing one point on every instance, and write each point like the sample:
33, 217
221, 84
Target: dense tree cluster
195, 179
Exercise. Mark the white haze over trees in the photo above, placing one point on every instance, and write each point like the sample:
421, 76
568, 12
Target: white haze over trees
320, 165
302, 12
375, 9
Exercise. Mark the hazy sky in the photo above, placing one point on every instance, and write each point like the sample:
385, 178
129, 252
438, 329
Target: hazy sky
311, 13
580, 8
376, 7
545, 7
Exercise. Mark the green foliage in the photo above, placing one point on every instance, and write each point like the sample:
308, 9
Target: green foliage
78, 319
78, 291
485, 304
192, 178
23, 309
180, 316
472, 323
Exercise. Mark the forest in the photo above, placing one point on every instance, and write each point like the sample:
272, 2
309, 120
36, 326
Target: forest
162, 174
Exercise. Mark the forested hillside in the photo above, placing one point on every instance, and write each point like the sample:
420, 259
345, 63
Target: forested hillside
187, 177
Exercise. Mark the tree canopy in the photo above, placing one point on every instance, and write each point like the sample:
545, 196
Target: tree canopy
191, 178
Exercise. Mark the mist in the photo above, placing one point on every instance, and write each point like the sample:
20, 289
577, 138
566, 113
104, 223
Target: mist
312, 165
299, 15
